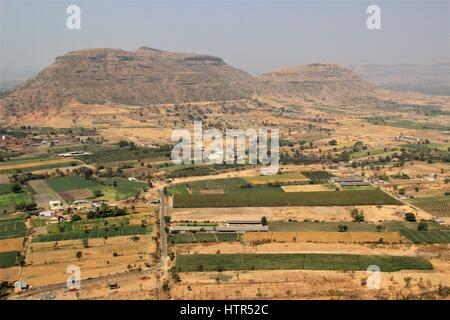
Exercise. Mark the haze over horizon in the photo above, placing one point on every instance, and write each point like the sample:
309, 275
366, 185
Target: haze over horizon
255, 36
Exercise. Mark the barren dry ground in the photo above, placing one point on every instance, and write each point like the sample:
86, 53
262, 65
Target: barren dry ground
9, 274
14, 244
47, 263
326, 237
428, 251
331, 213
310, 284
303, 284
4, 178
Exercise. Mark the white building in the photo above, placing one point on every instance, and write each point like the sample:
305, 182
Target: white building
55, 205
46, 213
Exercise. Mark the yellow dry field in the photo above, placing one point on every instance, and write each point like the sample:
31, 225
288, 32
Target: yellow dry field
9, 274
285, 177
325, 237
225, 175
4, 178
218, 191
305, 188
132, 288
394, 249
303, 284
14, 244
47, 263
33, 163
81, 114
137, 135
419, 169
330, 213
425, 188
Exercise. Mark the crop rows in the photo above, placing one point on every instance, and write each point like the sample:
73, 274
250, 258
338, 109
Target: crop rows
275, 199
99, 233
310, 261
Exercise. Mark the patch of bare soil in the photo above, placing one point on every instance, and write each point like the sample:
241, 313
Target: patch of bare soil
325, 237
302, 284
331, 213
47, 262
14, 244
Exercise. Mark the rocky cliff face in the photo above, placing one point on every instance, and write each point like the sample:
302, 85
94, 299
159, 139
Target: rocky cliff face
148, 76
325, 82
141, 77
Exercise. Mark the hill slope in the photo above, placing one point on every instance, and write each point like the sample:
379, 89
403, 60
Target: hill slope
325, 82
141, 77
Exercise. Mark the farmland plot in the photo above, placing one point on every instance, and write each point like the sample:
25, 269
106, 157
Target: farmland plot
8, 259
437, 206
320, 226
43, 193
12, 229
9, 201
204, 237
323, 237
131, 230
310, 261
435, 236
70, 183
278, 199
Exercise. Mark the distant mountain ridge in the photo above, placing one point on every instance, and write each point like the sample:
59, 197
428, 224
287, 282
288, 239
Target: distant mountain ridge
149, 76
140, 77
325, 82
429, 79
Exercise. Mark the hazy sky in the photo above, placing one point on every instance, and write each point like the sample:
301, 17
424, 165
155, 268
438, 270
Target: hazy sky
254, 35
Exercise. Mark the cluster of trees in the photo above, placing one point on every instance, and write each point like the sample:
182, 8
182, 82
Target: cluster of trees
105, 212
357, 215
22, 178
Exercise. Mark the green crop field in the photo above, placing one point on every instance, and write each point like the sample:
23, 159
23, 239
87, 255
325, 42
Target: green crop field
402, 225
112, 154
274, 199
204, 184
437, 206
129, 230
27, 159
226, 185
436, 232
435, 236
8, 201
5, 188
43, 167
71, 183
204, 237
320, 226
409, 124
438, 146
37, 223
89, 224
309, 261
13, 228
124, 188
8, 259
317, 175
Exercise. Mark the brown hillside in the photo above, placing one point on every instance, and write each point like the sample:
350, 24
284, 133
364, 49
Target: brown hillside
325, 82
141, 77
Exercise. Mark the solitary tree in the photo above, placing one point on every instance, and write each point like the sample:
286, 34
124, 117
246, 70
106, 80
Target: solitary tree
79, 255
264, 221
410, 217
